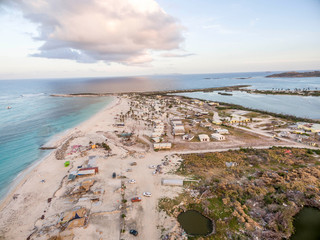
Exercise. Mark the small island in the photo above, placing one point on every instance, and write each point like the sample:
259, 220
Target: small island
295, 74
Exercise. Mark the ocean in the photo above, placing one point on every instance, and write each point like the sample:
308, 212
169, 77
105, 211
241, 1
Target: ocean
36, 117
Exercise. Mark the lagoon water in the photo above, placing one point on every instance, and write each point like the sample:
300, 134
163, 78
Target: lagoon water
36, 117
307, 224
305, 107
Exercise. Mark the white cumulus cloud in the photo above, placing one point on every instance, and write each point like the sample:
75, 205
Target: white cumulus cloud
123, 31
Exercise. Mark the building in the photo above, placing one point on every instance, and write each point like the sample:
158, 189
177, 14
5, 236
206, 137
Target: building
187, 137
156, 134
156, 139
213, 104
172, 182
159, 146
204, 138
198, 114
216, 119
178, 130
222, 131
237, 119
205, 124
196, 121
217, 136
176, 122
309, 127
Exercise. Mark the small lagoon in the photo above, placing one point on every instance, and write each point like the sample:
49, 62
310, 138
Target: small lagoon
195, 224
307, 224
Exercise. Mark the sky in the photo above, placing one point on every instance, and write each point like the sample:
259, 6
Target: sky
101, 38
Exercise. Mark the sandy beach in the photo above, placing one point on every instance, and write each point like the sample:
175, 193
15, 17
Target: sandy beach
32, 210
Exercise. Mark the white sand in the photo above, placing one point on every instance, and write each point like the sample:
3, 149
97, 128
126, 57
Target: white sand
21, 217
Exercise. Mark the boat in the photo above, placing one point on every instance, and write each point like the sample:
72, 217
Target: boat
9, 107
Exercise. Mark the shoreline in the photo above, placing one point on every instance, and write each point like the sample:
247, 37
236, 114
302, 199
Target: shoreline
231, 88
37, 208
241, 88
56, 140
274, 114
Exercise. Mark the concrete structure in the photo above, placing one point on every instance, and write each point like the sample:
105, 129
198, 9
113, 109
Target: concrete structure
196, 121
217, 136
172, 182
309, 127
156, 139
178, 130
159, 146
213, 104
237, 119
216, 119
222, 131
156, 134
187, 137
204, 138
87, 172
205, 124
176, 122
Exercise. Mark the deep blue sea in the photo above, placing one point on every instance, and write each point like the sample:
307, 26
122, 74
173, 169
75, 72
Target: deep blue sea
35, 116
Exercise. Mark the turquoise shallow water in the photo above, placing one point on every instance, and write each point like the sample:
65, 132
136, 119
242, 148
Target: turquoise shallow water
33, 120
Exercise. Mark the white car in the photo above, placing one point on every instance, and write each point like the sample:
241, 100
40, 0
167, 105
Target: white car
146, 194
152, 166
132, 181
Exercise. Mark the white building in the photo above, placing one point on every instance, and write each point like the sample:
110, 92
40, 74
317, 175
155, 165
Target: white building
178, 130
217, 136
156, 139
222, 131
205, 124
204, 138
158, 146
213, 104
156, 134
176, 122
187, 137
172, 182
216, 118
196, 121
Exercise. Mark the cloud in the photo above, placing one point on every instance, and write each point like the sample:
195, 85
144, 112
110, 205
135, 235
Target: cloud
123, 31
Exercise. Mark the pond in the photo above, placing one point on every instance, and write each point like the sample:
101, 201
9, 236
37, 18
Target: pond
307, 224
195, 224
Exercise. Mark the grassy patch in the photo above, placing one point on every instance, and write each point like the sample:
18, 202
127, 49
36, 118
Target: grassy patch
258, 195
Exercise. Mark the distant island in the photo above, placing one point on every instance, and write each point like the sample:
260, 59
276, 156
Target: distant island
295, 74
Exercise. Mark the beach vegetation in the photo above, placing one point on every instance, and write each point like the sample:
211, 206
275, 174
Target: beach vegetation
257, 196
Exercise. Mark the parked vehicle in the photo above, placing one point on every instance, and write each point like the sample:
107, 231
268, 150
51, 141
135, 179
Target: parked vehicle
133, 232
133, 164
136, 199
114, 175
147, 194
132, 181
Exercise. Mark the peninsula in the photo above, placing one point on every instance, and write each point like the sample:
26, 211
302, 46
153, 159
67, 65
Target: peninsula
295, 74
144, 159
